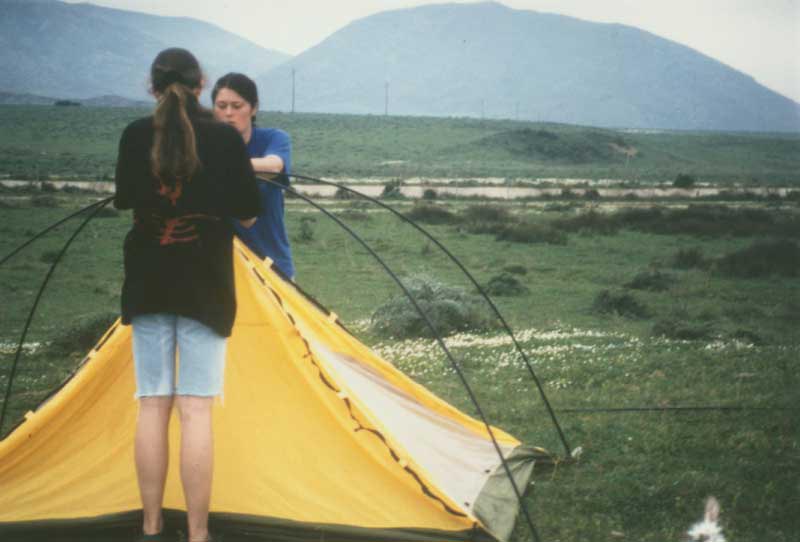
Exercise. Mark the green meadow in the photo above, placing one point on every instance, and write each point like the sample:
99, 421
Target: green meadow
634, 306
38, 142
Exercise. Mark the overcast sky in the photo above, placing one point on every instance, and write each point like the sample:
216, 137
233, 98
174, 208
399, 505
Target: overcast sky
758, 37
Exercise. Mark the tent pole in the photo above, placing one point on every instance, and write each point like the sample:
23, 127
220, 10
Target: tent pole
439, 340
505, 325
15, 363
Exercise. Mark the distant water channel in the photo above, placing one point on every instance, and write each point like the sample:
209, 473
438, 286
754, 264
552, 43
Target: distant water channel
491, 191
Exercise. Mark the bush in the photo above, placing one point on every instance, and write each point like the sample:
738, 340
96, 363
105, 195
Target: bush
591, 194
48, 187
516, 269
429, 194
690, 258
43, 201
449, 309
684, 181
590, 223
505, 284
306, 229
343, 194
486, 213
682, 331
391, 190
353, 214
528, 232
762, 259
84, 334
654, 281
429, 213
619, 303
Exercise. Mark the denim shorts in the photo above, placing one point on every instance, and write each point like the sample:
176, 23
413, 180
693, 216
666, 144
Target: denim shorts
200, 359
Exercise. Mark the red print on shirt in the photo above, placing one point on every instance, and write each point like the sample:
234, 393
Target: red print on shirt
172, 230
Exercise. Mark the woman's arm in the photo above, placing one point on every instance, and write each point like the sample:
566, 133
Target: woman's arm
271, 163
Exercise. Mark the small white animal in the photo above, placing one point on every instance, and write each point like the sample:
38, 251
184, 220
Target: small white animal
708, 530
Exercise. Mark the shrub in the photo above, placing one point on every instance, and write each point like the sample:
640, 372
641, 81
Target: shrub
745, 335
449, 309
306, 229
343, 194
84, 334
487, 213
591, 194
619, 303
43, 201
505, 284
353, 214
762, 259
429, 194
391, 190
516, 269
690, 258
655, 281
429, 213
681, 330
528, 232
591, 222
684, 181
48, 187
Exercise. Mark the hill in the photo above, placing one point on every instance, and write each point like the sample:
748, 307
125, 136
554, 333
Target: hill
488, 60
81, 50
11, 98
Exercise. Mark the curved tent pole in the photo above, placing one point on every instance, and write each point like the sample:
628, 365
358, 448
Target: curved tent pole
480, 289
53, 226
15, 363
439, 340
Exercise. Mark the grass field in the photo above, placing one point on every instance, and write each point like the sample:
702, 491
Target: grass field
41, 141
684, 323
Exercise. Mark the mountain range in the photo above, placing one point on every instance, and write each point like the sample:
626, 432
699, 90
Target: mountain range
52, 48
474, 60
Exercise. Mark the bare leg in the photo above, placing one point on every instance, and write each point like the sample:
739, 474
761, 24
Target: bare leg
151, 451
197, 460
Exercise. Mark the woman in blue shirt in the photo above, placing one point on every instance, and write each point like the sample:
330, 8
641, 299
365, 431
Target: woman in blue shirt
235, 99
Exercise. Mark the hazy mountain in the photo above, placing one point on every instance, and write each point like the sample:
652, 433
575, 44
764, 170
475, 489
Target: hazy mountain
81, 50
490, 60
10, 98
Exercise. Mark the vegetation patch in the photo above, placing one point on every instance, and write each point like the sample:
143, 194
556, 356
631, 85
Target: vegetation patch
654, 281
549, 146
449, 309
43, 201
620, 304
530, 232
516, 269
429, 213
505, 284
591, 222
483, 213
676, 329
84, 334
762, 259
690, 258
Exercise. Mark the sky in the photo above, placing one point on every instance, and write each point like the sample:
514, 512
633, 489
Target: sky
758, 37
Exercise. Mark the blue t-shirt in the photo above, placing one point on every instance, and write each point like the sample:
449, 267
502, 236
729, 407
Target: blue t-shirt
267, 237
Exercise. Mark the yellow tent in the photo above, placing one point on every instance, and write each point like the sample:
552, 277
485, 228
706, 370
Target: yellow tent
317, 438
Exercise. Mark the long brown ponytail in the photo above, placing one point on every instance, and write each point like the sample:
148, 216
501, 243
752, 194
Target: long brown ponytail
175, 75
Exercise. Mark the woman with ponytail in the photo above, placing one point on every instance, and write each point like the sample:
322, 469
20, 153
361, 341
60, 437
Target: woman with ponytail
184, 175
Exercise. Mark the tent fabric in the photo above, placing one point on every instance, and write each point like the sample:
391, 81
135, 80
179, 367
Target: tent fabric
316, 438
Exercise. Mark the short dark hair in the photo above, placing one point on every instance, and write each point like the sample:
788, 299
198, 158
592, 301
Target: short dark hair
240, 84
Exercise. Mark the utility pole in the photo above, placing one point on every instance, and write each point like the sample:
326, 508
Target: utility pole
483, 109
386, 100
516, 111
292, 90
